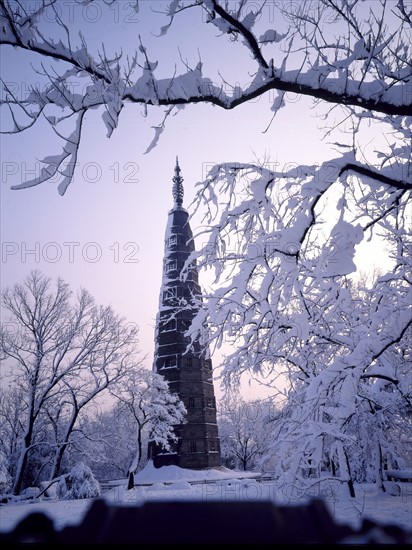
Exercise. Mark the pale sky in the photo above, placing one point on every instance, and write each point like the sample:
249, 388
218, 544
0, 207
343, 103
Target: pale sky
106, 233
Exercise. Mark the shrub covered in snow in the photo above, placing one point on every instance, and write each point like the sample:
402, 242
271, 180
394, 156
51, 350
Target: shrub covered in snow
5, 478
79, 483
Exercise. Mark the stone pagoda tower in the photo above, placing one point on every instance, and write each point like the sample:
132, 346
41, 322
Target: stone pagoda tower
188, 372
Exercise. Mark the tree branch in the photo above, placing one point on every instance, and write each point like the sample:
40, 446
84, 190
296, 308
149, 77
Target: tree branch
382, 376
374, 174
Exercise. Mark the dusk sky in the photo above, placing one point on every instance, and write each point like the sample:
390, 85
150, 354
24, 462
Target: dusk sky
106, 233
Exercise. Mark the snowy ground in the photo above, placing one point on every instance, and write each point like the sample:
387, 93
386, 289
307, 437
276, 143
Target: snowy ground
171, 483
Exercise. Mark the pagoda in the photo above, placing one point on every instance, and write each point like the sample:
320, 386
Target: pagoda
185, 364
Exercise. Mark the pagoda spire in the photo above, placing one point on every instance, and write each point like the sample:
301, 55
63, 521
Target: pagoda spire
178, 190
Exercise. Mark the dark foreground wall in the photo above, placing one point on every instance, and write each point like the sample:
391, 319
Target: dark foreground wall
204, 523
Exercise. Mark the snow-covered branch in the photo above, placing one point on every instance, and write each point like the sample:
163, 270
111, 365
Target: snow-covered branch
368, 72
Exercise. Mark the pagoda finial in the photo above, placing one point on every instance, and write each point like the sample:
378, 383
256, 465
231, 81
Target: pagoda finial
177, 185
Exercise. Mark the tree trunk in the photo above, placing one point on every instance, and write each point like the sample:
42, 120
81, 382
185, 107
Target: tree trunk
139, 446
58, 458
22, 462
58, 461
350, 480
379, 467
136, 461
21, 466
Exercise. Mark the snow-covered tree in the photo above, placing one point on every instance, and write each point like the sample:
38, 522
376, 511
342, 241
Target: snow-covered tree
343, 352
11, 416
116, 439
145, 399
78, 483
64, 354
244, 432
108, 443
380, 429
5, 477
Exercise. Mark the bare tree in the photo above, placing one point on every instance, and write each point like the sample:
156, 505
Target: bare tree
61, 357
244, 432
